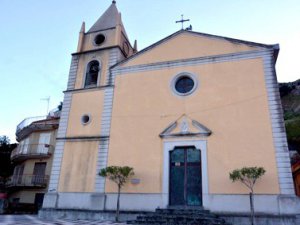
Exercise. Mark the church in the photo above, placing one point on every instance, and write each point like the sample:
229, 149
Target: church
183, 112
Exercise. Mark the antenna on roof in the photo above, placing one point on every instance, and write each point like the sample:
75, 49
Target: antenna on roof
48, 101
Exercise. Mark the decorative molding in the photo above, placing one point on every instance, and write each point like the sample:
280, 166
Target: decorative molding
89, 89
119, 70
114, 56
73, 72
184, 126
187, 127
177, 77
278, 129
102, 49
83, 138
56, 166
63, 122
59, 147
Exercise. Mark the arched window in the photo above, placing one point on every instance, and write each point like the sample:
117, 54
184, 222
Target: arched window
92, 73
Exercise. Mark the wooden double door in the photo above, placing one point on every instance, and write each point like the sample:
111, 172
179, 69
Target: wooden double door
185, 182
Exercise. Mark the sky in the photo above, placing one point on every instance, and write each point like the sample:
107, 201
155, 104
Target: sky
37, 39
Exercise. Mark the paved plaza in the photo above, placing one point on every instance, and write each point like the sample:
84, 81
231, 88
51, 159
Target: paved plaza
33, 219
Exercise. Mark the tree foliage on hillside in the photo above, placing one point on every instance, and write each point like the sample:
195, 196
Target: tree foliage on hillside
6, 167
290, 99
285, 89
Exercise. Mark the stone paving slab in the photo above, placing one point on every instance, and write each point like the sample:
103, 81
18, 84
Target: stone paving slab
34, 220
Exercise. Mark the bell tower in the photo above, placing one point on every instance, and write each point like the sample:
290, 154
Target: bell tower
107, 32
84, 130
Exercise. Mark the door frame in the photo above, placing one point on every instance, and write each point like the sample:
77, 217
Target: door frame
168, 146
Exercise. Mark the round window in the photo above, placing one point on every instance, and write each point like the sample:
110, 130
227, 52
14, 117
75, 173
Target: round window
85, 119
99, 39
184, 84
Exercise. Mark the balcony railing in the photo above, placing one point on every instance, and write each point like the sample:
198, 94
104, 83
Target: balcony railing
26, 122
28, 180
26, 151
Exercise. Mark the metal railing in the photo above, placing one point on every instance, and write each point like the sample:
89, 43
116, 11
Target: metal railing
26, 122
28, 180
32, 150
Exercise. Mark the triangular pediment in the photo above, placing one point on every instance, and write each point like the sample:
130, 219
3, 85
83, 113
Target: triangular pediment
189, 45
185, 126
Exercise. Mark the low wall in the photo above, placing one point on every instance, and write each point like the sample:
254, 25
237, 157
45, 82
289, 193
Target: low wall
76, 214
234, 219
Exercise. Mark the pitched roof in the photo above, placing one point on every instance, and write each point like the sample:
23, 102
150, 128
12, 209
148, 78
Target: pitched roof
275, 47
109, 19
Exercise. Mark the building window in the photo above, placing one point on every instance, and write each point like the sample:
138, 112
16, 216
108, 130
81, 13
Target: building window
38, 177
184, 84
18, 174
92, 73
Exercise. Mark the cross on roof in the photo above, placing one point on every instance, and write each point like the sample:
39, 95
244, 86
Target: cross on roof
182, 21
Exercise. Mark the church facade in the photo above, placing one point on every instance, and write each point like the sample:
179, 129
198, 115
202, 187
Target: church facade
183, 112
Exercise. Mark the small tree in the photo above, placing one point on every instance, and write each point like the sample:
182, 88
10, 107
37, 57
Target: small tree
118, 175
248, 176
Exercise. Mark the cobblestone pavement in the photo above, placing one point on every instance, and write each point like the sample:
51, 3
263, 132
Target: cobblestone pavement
33, 220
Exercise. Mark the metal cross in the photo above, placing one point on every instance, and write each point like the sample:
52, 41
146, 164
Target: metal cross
182, 21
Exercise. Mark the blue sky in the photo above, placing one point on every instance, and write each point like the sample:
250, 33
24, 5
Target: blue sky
37, 38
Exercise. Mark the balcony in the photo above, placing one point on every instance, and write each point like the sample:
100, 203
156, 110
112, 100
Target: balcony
31, 151
26, 122
28, 181
38, 123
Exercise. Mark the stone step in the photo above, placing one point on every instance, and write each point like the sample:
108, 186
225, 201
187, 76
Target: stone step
181, 210
182, 219
179, 216
183, 213
170, 216
175, 223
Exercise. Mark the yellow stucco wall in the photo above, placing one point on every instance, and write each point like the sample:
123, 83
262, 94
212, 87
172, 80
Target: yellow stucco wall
231, 100
90, 103
78, 169
187, 45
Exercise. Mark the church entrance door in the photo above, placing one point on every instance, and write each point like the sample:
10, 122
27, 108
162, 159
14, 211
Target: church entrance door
185, 182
